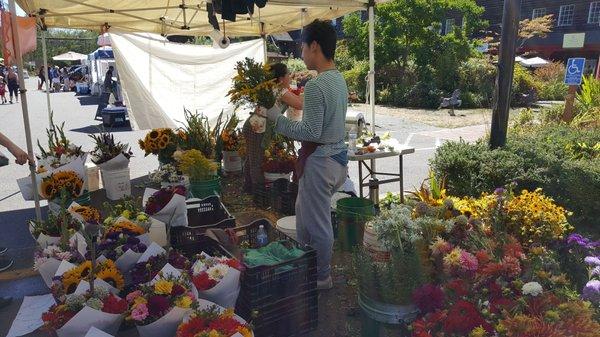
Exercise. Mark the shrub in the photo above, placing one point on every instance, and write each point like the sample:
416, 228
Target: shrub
523, 84
552, 114
355, 78
549, 81
424, 94
476, 81
295, 65
537, 157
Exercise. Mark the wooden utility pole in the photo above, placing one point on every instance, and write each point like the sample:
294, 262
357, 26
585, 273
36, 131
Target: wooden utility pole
506, 64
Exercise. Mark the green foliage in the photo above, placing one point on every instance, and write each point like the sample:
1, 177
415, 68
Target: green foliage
539, 156
552, 115
550, 82
523, 84
424, 94
59, 41
525, 118
589, 95
355, 78
295, 65
476, 81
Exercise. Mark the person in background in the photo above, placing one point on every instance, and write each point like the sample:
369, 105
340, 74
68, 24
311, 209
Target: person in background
285, 97
42, 76
21, 157
13, 85
323, 159
56, 79
3, 89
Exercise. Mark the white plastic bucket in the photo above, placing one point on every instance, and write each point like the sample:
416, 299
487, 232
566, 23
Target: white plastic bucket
117, 183
93, 177
232, 162
288, 226
271, 177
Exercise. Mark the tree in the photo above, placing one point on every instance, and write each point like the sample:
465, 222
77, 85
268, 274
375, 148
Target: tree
60, 41
528, 29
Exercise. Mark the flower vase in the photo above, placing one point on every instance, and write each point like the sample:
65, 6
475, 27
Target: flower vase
232, 162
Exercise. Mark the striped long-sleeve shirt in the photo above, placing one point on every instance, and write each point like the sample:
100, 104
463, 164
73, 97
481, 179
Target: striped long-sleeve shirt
324, 115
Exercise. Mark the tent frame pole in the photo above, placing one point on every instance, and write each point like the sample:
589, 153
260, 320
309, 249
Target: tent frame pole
23, 92
371, 77
263, 36
46, 76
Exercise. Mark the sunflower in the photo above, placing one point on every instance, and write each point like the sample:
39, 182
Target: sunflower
165, 138
70, 283
162, 145
48, 189
111, 276
154, 133
84, 269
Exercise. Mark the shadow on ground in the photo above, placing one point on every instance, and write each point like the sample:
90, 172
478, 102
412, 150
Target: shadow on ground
98, 128
88, 100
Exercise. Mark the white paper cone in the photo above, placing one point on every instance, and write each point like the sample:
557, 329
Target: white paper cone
153, 250
117, 183
101, 259
166, 325
89, 317
174, 214
117, 163
44, 240
64, 267
126, 261
167, 270
48, 269
80, 243
84, 286
224, 293
158, 232
95, 332
25, 187
145, 239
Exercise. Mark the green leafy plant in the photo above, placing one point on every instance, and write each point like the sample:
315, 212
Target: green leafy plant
106, 148
589, 95
198, 134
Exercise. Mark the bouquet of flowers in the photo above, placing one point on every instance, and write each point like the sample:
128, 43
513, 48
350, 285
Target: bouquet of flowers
161, 142
80, 311
196, 166
48, 260
157, 309
87, 214
253, 85
144, 271
60, 150
213, 321
280, 156
167, 175
67, 184
217, 279
76, 278
108, 154
302, 77
197, 134
126, 209
167, 205
124, 249
50, 231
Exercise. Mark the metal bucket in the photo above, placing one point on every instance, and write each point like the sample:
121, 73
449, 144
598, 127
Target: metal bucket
387, 313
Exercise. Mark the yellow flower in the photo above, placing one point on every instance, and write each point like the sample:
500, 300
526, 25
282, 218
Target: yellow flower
214, 333
163, 287
244, 331
184, 302
478, 332
126, 214
112, 276
228, 313
140, 300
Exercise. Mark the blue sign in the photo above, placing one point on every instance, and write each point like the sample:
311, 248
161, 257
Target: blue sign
574, 71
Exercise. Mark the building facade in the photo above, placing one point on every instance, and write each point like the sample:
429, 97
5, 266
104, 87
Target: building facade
576, 31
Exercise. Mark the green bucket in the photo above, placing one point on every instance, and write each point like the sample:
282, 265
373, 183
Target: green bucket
205, 188
352, 214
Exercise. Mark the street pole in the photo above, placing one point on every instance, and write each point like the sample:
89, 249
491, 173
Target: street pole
570, 104
506, 64
23, 93
373, 190
45, 52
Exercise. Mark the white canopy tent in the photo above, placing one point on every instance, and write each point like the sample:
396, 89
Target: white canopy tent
70, 56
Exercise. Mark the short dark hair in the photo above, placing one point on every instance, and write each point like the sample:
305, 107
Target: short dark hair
324, 34
278, 70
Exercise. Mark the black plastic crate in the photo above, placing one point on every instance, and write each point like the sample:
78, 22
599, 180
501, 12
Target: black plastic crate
283, 196
292, 316
261, 195
204, 244
263, 285
202, 215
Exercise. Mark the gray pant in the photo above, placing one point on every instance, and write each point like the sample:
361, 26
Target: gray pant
322, 177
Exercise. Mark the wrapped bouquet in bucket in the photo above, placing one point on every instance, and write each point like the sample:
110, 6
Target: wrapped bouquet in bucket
160, 142
167, 205
211, 320
128, 210
231, 138
158, 308
280, 159
76, 278
217, 279
202, 173
61, 156
151, 265
113, 160
78, 312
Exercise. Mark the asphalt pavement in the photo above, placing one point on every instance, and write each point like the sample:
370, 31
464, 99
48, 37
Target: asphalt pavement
77, 112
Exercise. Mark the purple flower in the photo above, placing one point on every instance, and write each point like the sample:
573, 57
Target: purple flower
592, 261
582, 241
133, 240
499, 191
596, 271
591, 292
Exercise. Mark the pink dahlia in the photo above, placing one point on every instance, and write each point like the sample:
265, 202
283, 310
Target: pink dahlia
468, 261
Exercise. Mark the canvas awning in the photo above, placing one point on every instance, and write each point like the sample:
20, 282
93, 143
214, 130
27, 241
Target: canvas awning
69, 56
184, 17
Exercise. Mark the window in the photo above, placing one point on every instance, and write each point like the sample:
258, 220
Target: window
566, 14
594, 16
449, 26
538, 13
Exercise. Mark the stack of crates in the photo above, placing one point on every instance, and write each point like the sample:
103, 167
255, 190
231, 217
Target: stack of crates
279, 300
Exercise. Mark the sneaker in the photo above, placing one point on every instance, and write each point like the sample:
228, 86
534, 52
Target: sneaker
5, 301
3, 250
325, 284
5, 264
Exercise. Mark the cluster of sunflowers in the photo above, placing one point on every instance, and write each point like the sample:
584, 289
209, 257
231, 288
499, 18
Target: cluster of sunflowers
89, 214
253, 85
106, 271
161, 142
59, 182
126, 227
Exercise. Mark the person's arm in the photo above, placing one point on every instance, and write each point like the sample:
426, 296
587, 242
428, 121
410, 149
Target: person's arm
21, 156
292, 100
310, 127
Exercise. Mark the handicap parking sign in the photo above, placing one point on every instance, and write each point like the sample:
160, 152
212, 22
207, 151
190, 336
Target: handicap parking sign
574, 71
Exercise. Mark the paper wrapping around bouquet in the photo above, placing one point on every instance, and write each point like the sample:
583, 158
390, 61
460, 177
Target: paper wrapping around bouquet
174, 214
88, 317
258, 122
84, 286
42, 239
116, 183
165, 326
158, 232
119, 162
48, 270
77, 165
95, 332
224, 293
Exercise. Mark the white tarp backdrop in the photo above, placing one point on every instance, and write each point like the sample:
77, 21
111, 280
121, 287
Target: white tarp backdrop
160, 78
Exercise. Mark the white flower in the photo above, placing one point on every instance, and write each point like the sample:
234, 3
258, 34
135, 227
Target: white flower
217, 272
532, 288
198, 267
